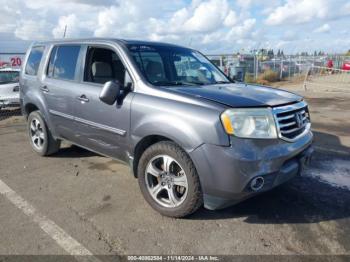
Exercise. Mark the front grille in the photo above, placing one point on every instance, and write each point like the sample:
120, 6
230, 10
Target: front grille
292, 121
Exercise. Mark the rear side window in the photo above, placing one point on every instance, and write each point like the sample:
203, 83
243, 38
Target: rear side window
63, 62
34, 59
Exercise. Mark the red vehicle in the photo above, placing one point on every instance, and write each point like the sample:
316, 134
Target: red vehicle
330, 64
346, 66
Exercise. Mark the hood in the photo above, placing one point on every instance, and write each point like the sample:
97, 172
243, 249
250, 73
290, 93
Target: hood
240, 95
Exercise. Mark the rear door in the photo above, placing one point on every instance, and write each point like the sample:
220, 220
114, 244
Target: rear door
29, 82
59, 88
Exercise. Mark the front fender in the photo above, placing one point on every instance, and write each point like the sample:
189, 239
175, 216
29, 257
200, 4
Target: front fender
189, 125
177, 130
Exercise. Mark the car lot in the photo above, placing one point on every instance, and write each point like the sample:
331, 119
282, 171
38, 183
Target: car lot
96, 201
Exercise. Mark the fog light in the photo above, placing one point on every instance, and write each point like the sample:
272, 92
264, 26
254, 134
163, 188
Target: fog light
257, 183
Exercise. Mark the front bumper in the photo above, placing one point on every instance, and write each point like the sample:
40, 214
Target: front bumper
226, 172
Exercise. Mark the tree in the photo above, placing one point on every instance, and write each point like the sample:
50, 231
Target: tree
348, 53
270, 53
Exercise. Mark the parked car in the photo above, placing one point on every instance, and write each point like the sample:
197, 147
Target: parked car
9, 87
189, 134
346, 66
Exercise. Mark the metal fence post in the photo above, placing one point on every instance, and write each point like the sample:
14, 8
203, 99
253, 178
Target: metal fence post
281, 71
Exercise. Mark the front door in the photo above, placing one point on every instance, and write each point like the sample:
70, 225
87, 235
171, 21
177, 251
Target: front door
101, 127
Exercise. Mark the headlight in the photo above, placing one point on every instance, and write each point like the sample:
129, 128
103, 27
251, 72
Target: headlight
249, 122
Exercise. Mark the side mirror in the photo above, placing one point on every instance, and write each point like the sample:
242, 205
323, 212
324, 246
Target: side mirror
110, 92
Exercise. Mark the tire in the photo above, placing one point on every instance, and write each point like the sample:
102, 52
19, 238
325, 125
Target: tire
181, 182
44, 144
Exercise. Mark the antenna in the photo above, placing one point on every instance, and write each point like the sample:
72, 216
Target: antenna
189, 44
65, 31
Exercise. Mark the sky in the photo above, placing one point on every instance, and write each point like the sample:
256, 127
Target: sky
211, 26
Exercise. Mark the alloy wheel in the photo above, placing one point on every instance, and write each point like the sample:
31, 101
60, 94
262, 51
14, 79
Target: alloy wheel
166, 181
37, 133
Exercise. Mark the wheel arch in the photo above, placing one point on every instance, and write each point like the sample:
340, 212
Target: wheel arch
29, 108
141, 147
37, 103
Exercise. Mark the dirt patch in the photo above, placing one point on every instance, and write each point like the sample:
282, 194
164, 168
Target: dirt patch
335, 102
341, 128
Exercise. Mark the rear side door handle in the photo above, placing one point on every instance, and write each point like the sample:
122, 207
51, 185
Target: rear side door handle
83, 98
45, 89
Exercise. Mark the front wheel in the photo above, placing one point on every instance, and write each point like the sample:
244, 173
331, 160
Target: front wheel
40, 136
169, 181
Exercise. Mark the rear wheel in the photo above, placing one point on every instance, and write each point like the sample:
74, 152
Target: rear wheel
168, 180
40, 136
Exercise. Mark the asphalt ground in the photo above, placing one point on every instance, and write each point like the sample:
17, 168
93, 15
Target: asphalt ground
77, 202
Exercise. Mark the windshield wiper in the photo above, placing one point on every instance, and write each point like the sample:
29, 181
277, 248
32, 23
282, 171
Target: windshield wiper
221, 82
167, 83
194, 83
176, 83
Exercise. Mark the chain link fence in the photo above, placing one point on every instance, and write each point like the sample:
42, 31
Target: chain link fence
320, 78
252, 68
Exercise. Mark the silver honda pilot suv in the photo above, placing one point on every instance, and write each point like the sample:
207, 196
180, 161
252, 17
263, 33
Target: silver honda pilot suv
191, 135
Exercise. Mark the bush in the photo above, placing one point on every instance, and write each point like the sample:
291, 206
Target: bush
249, 78
265, 78
268, 76
262, 82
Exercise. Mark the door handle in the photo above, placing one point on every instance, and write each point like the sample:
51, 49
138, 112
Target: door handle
83, 98
45, 89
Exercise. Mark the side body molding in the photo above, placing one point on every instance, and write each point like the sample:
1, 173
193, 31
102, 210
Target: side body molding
90, 123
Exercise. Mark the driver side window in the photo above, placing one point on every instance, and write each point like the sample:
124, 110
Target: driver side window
103, 65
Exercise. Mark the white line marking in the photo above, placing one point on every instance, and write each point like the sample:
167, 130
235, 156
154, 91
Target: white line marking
63, 239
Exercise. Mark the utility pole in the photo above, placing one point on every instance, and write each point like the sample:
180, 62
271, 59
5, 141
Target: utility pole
65, 31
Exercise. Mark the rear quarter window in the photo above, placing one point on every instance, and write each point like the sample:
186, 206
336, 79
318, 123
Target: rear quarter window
34, 59
63, 62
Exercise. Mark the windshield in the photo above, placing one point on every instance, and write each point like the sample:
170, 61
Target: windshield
169, 66
9, 77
